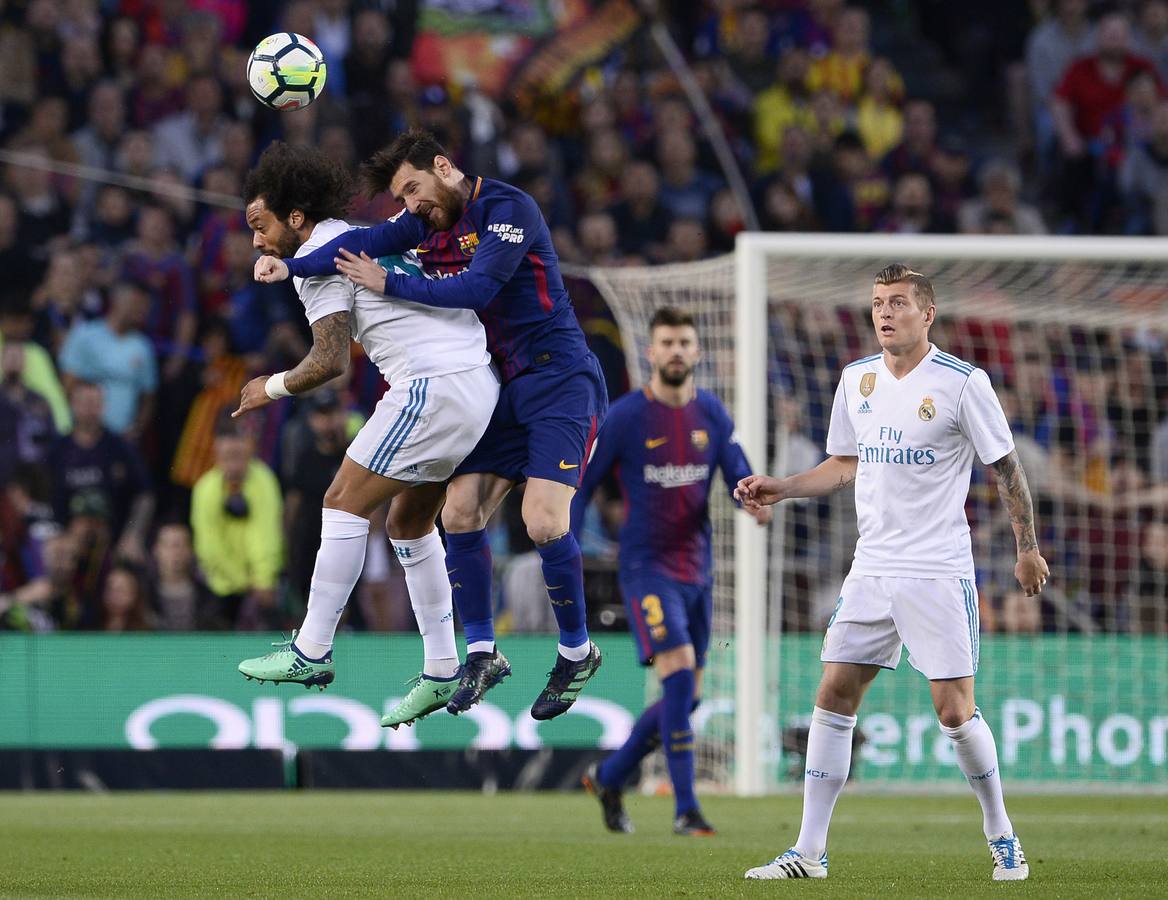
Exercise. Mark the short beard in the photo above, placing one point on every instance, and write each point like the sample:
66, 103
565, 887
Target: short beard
674, 380
288, 242
451, 202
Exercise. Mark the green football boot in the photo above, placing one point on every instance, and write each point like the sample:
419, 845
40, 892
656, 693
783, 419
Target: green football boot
426, 696
287, 664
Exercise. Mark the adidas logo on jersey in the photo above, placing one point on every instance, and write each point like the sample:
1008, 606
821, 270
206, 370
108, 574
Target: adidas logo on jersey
864, 408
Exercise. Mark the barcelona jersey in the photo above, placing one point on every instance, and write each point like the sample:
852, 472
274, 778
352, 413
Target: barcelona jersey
664, 459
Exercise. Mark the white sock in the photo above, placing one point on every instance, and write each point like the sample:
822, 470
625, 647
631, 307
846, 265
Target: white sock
829, 757
480, 647
338, 566
977, 755
424, 562
575, 654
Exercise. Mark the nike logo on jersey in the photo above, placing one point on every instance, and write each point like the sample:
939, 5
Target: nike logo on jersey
654, 443
564, 465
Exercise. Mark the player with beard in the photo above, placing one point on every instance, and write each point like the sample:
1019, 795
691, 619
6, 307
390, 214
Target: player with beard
487, 248
664, 443
441, 386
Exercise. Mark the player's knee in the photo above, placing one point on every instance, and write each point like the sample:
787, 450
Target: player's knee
338, 496
544, 524
838, 696
407, 526
541, 531
954, 715
460, 517
673, 660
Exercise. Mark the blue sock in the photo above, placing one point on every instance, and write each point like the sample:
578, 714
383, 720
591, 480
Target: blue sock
643, 740
468, 563
563, 573
677, 737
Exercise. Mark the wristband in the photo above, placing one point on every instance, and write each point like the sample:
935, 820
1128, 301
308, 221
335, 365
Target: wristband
274, 387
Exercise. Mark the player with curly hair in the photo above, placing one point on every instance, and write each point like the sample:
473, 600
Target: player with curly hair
443, 388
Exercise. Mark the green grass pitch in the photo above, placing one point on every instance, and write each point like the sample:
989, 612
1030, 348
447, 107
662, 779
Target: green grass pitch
432, 844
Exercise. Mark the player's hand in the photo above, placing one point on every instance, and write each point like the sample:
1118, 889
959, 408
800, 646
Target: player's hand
762, 515
756, 491
362, 270
253, 396
269, 270
1031, 572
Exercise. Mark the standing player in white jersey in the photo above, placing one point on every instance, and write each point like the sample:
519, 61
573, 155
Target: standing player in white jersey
442, 392
905, 426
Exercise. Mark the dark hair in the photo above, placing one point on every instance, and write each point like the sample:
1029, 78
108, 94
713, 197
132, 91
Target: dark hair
416, 146
671, 317
922, 287
302, 178
136, 619
226, 426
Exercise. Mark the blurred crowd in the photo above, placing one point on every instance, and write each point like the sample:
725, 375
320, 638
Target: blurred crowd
129, 319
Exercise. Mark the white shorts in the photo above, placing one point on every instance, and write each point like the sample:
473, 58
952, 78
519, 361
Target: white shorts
936, 618
422, 429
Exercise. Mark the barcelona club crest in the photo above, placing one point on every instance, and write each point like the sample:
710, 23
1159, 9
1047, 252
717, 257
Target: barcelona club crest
868, 384
699, 438
927, 411
468, 243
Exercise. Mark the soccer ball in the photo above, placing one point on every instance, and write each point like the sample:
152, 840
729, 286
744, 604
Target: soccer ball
286, 71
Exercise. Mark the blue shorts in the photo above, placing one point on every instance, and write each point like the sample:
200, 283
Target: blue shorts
544, 425
664, 614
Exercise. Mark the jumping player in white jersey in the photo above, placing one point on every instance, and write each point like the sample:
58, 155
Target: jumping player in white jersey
443, 389
905, 426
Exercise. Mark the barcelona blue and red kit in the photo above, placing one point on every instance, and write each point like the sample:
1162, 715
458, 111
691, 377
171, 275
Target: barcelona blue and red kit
498, 260
664, 459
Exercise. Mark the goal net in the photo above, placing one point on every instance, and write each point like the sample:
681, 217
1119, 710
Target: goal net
1074, 336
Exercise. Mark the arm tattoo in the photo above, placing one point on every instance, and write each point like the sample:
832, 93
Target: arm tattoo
844, 481
1015, 494
328, 357
848, 476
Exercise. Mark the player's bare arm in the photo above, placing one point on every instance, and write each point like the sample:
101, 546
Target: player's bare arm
831, 475
327, 358
1031, 569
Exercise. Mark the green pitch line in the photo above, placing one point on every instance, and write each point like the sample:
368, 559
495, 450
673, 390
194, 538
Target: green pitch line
435, 844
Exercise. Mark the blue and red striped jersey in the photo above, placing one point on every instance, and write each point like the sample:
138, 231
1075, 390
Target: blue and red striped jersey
498, 260
664, 459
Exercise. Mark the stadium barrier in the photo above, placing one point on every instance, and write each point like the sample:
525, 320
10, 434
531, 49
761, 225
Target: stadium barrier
1066, 709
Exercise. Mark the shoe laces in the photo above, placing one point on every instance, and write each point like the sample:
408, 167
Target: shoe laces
283, 645
560, 677
1006, 851
413, 682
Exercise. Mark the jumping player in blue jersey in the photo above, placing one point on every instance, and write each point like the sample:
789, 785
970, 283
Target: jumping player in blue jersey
487, 248
664, 443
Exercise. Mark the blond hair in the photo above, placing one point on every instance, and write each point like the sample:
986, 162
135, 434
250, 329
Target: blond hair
922, 287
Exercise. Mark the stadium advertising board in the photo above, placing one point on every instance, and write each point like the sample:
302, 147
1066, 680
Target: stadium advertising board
1064, 709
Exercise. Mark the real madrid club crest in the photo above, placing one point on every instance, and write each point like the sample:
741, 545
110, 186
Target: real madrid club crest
868, 384
927, 411
699, 438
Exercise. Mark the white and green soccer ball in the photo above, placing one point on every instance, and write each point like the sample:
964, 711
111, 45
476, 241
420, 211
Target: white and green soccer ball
286, 71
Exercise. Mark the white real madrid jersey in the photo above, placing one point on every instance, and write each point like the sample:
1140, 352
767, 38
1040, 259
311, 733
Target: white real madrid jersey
915, 439
405, 340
